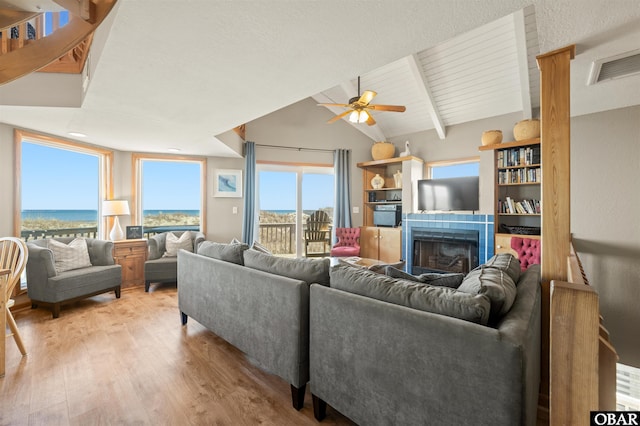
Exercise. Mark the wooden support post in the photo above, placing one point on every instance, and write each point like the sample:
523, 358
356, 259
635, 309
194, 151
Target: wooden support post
555, 140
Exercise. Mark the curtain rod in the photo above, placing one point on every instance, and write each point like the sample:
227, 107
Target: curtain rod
295, 148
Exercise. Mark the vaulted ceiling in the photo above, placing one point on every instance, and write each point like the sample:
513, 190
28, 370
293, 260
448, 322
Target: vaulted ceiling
173, 74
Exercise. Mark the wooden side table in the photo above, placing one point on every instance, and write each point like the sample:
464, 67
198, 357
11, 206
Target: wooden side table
131, 255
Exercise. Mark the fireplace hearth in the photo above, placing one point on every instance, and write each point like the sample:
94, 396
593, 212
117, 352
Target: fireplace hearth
444, 250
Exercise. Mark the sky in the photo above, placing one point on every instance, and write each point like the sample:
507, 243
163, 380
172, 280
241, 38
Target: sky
167, 185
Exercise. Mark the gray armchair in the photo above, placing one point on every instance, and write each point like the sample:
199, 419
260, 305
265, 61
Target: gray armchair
158, 268
45, 285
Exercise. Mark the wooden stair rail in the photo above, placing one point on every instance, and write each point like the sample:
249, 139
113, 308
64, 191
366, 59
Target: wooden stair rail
36, 54
582, 359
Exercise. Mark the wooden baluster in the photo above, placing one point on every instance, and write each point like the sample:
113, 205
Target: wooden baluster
4, 46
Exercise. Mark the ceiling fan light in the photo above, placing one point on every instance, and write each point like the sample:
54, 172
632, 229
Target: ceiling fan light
358, 116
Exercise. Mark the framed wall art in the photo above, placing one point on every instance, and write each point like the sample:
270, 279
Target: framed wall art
227, 183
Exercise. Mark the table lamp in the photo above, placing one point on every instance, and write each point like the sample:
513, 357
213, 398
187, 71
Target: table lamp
115, 208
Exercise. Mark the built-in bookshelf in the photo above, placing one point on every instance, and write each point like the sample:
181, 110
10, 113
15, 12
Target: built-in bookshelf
518, 175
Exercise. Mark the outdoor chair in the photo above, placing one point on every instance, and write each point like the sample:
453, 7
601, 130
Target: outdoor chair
317, 233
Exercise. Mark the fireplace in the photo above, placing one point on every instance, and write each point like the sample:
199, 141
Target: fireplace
444, 250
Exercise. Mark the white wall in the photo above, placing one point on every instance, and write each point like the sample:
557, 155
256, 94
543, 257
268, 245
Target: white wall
605, 201
7, 173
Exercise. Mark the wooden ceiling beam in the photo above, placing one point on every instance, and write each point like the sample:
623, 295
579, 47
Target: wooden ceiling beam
421, 78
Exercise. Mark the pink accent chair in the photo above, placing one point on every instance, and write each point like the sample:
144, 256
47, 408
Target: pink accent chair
528, 250
348, 242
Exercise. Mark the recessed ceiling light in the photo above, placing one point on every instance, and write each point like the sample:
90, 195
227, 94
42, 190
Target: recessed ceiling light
77, 134
173, 149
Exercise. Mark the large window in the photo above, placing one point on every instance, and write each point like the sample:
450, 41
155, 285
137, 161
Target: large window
61, 185
169, 193
288, 195
453, 168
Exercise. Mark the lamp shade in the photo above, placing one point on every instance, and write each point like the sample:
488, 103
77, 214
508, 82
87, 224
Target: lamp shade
115, 207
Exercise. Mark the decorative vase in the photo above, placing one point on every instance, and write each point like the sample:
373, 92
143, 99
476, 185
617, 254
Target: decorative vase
382, 150
397, 177
491, 137
377, 182
526, 129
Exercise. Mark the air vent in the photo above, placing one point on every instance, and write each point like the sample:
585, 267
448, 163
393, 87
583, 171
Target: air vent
618, 66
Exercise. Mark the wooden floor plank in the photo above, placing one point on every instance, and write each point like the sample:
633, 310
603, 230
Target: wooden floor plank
130, 361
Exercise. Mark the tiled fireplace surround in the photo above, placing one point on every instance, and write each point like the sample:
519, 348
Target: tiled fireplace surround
482, 223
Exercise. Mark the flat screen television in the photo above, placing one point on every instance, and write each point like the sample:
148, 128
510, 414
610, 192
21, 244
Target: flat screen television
460, 193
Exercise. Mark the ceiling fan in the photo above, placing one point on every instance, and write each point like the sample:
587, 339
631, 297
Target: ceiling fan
359, 107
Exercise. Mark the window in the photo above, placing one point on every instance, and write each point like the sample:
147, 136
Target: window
169, 193
61, 186
288, 195
453, 168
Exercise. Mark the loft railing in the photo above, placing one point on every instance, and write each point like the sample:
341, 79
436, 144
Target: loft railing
582, 358
24, 48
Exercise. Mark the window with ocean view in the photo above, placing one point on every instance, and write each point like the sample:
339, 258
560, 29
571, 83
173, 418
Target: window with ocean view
170, 193
60, 186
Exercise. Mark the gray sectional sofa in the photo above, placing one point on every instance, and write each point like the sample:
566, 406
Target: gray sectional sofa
261, 308
397, 352
378, 348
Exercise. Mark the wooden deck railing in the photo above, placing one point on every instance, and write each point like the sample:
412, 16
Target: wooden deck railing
582, 359
35, 234
279, 238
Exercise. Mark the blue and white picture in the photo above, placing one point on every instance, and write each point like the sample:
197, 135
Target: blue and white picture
228, 183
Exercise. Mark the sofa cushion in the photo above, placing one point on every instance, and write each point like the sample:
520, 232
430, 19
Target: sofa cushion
451, 280
424, 297
307, 270
496, 284
67, 257
173, 244
505, 262
227, 252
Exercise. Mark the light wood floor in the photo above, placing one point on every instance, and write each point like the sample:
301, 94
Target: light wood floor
129, 361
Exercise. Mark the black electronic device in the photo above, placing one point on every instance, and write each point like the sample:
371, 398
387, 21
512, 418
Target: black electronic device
460, 193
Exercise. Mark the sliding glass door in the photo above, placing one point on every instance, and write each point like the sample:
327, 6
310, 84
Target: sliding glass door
288, 195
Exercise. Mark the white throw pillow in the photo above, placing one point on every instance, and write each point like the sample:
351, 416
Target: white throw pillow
66, 257
173, 244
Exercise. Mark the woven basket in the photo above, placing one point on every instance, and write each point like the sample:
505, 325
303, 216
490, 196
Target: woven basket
526, 129
383, 150
491, 137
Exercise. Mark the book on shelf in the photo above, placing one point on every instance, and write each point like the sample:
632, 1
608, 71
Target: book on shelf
509, 206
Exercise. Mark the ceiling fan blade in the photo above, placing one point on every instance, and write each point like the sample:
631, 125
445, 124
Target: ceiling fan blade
335, 105
366, 97
394, 108
338, 117
370, 120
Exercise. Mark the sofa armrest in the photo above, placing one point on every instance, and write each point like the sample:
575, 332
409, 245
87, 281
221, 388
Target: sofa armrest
156, 246
198, 237
100, 252
40, 267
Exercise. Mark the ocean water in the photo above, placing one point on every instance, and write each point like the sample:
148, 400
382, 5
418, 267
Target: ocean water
89, 215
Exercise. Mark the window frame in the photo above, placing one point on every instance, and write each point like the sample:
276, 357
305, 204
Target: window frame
454, 162
136, 183
105, 172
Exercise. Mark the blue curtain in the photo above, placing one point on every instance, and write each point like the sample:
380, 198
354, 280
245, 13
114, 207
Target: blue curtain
342, 171
250, 212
